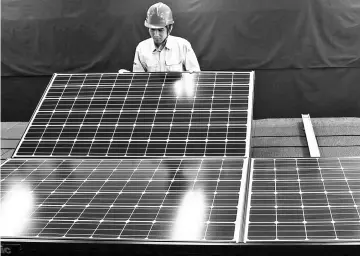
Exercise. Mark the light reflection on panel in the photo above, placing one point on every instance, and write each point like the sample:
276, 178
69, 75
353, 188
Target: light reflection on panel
16, 206
167, 199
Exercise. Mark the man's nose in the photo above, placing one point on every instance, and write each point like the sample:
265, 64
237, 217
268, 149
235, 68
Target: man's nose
156, 33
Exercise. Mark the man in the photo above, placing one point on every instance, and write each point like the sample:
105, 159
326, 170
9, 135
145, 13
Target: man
163, 52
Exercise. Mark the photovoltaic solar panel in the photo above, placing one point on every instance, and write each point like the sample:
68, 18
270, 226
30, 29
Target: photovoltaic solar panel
142, 115
141, 199
304, 199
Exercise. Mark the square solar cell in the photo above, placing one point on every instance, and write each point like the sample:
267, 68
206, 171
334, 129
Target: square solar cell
142, 115
161, 199
304, 200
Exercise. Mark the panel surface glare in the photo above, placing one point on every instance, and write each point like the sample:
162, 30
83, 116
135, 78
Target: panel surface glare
167, 199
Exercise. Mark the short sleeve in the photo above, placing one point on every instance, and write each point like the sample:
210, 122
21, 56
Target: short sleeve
137, 65
191, 62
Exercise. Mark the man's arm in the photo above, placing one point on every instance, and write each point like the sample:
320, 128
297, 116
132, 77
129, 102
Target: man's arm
191, 62
137, 65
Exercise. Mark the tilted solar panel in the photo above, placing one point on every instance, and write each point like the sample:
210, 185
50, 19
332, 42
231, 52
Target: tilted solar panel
142, 115
163, 199
304, 199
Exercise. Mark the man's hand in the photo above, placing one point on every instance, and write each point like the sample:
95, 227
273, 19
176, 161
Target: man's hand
123, 71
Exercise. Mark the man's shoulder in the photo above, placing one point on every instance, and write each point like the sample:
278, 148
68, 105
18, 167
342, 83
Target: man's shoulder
145, 43
179, 40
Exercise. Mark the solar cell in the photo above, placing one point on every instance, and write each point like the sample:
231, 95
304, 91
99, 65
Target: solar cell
304, 199
147, 199
142, 115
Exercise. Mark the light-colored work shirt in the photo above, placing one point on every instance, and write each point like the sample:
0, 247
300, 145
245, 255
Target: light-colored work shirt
177, 55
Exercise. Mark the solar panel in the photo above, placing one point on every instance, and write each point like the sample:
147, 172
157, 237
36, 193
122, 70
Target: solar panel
146, 199
142, 115
304, 199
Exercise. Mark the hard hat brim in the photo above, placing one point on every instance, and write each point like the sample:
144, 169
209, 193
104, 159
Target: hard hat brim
153, 26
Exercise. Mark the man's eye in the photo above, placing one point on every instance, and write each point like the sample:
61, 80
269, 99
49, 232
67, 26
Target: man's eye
159, 30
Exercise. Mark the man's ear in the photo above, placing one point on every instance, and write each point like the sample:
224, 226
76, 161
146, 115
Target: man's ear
170, 27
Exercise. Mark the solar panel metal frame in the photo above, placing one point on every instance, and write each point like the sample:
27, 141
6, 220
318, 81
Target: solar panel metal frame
289, 241
249, 112
237, 238
33, 116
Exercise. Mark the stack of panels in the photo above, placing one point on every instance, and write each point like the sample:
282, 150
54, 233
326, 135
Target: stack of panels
146, 156
142, 115
304, 200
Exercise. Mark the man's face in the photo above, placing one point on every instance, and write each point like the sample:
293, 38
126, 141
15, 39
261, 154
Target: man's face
158, 34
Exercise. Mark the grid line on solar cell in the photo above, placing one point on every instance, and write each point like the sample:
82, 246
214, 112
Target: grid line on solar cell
212, 204
304, 200
62, 182
211, 107
102, 115
126, 199
37, 144
138, 115
63, 125
327, 200
109, 208
118, 118
351, 194
302, 208
153, 120
161, 205
131, 214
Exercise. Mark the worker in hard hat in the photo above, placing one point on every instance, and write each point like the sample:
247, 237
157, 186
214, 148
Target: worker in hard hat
163, 52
